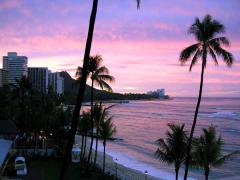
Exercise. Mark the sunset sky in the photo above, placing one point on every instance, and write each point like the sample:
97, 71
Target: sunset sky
140, 47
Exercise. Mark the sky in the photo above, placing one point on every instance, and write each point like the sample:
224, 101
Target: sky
140, 47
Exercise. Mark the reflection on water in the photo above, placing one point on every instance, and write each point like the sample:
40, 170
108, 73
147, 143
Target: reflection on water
141, 123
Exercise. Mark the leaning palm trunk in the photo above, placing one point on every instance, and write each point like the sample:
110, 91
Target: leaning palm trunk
195, 120
92, 127
81, 91
104, 154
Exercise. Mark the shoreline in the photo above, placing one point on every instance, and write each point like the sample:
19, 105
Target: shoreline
123, 166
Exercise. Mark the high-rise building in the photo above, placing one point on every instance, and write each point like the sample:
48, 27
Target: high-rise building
3, 77
161, 92
158, 93
57, 82
16, 66
38, 76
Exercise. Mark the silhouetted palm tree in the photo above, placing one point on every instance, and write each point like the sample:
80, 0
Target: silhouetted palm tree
99, 112
82, 87
207, 150
97, 116
106, 130
99, 76
205, 32
84, 128
75, 118
173, 149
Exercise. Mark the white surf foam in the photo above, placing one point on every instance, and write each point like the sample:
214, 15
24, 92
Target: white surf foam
135, 164
223, 114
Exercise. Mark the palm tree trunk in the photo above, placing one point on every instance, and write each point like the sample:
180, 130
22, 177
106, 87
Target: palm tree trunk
195, 120
81, 91
35, 142
84, 149
96, 147
104, 154
81, 155
176, 171
206, 173
92, 127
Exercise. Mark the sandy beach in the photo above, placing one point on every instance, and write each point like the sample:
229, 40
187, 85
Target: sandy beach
121, 171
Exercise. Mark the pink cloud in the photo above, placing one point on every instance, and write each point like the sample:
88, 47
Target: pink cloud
141, 48
6, 4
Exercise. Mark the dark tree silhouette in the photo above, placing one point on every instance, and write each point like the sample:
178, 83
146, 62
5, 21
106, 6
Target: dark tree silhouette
205, 33
207, 151
173, 149
99, 76
106, 130
82, 87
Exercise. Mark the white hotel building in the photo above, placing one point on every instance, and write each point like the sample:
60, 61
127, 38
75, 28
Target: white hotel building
16, 66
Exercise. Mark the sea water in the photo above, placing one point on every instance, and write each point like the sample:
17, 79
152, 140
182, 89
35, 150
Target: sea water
141, 123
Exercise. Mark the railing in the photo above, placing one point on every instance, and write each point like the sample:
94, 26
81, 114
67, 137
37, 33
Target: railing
2, 169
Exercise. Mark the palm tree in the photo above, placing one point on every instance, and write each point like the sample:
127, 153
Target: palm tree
173, 149
207, 149
75, 117
106, 130
97, 116
81, 90
99, 76
84, 128
205, 32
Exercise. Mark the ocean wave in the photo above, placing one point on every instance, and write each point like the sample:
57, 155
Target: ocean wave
223, 114
135, 164
132, 163
232, 131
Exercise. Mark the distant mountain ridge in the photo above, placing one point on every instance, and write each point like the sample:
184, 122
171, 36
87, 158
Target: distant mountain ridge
71, 88
70, 84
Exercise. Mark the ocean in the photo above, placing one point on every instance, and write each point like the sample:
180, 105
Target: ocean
141, 123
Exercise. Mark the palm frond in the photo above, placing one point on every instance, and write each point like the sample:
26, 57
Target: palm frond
207, 149
196, 29
206, 29
226, 157
163, 156
106, 77
106, 86
94, 62
187, 53
107, 128
195, 58
227, 56
213, 55
220, 40
211, 27
102, 70
138, 3
78, 73
173, 148
162, 144
217, 27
